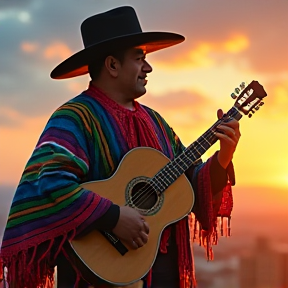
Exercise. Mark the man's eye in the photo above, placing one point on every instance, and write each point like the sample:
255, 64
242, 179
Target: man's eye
141, 58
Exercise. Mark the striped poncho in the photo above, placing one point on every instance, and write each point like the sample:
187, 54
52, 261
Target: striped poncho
84, 140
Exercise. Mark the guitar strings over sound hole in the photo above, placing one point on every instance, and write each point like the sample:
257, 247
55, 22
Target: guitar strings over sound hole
142, 196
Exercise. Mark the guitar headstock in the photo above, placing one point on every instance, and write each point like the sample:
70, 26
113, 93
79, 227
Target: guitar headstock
250, 99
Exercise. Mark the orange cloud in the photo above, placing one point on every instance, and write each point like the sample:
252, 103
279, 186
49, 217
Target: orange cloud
57, 50
205, 54
236, 44
29, 47
199, 57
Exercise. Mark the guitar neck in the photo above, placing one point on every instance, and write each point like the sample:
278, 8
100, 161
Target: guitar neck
169, 173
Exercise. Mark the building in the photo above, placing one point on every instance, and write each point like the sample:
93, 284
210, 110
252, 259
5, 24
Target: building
265, 266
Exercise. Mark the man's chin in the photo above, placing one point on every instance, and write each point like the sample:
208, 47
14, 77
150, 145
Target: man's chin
140, 92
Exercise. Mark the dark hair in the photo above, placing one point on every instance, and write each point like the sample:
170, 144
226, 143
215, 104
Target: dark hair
96, 66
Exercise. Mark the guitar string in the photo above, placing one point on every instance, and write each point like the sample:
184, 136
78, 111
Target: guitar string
147, 191
147, 188
209, 133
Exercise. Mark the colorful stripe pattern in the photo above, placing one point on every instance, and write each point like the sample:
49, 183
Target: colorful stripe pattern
84, 140
81, 142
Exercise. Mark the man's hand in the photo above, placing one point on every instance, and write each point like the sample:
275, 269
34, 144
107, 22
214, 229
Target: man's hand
132, 227
228, 134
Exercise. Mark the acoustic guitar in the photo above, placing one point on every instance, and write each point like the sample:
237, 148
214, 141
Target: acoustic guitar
157, 187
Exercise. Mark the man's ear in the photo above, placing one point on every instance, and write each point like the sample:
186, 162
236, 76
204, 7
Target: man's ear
112, 65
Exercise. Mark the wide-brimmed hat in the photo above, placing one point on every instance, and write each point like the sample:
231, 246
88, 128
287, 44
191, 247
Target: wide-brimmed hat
110, 31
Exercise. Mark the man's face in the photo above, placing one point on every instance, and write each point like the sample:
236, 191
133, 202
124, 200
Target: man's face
133, 72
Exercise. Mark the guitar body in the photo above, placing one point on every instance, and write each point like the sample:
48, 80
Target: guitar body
135, 170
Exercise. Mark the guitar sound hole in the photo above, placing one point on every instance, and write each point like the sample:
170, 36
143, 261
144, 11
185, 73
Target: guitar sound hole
143, 196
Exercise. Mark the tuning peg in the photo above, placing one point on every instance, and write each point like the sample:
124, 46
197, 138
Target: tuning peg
257, 108
237, 90
250, 115
261, 103
234, 96
242, 85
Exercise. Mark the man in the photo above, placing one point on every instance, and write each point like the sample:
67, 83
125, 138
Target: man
84, 140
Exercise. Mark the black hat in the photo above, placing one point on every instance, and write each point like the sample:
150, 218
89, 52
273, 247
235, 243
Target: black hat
110, 31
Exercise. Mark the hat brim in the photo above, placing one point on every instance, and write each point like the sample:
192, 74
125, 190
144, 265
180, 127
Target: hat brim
77, 64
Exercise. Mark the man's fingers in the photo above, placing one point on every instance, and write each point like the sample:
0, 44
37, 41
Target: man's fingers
220, 113
134, 244
144, 237
146, 227
230, 132
139, 242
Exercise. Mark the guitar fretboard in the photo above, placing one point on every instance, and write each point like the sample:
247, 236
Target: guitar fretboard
170, 172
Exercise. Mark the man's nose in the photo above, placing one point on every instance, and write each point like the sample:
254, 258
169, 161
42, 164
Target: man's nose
147, 67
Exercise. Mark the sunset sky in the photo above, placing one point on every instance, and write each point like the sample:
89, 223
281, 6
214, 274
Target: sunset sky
227, 42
